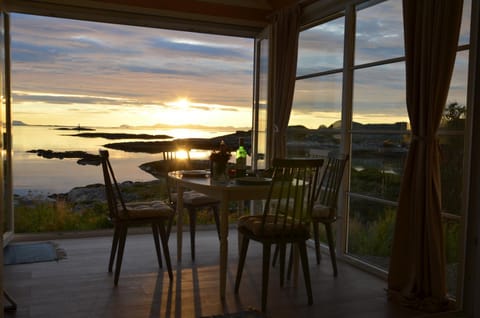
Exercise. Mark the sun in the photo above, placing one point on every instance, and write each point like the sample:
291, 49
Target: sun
182, 103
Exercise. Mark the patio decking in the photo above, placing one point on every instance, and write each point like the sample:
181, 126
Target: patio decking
80, 286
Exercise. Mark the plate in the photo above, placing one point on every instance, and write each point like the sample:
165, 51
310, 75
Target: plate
253, 180
194, 173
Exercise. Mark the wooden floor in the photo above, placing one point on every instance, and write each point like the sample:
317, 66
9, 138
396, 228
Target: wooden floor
80, 286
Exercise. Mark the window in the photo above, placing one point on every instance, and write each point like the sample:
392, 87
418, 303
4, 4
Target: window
316, 111
379, 131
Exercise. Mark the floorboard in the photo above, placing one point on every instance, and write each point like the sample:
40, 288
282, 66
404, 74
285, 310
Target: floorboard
80, 286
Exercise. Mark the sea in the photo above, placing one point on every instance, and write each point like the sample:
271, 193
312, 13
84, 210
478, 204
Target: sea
35, 176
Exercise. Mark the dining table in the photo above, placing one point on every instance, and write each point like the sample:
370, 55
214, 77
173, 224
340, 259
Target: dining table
235, 189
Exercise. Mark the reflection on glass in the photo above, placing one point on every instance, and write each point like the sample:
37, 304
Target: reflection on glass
321, 48
370, 231
379, 32
379, 94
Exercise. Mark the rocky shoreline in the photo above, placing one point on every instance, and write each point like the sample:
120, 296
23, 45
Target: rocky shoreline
150, 147
83, 198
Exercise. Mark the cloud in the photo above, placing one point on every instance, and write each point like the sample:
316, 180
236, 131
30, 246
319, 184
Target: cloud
158, 70
192, 47
20, 97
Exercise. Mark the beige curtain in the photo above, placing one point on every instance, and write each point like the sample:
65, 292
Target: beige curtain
417, 264
285, 29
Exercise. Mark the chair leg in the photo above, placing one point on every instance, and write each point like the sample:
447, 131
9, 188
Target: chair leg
282, 248
216, 217
290, 263
316, 236
12, 305
331, 247
157, 244
302, 248
166, 251
192, 213
275, 256
113, 251
123, 229
170, 224
265, 274
241, 262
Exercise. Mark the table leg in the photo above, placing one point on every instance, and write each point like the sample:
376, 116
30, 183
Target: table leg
223, 246
179, 222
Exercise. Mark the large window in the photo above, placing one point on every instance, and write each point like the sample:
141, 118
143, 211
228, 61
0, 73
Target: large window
79, 86
379, 131
358, 104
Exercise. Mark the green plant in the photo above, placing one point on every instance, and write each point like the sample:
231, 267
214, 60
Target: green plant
45, 216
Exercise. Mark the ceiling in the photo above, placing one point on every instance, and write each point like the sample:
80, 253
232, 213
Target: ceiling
219, 16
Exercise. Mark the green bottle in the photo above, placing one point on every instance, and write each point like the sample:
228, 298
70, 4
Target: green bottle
241, 159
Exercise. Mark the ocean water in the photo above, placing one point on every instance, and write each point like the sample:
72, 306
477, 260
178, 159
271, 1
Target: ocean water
34, 175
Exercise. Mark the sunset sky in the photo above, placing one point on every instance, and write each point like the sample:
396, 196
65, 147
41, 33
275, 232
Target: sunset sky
68, 72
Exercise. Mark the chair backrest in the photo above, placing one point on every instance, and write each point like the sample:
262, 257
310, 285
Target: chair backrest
173, 153
291, 194
329, 185
173, 164
112, 189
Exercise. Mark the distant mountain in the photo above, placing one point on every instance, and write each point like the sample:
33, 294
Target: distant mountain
338, 125
18, 123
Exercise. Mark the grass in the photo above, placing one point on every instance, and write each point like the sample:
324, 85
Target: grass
38, 214
45, 216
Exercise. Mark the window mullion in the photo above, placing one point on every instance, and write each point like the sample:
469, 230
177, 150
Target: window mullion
347, 102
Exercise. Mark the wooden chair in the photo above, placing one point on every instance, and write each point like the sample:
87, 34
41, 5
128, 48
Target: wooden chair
324, 209
123, 215
285, 219
193, 201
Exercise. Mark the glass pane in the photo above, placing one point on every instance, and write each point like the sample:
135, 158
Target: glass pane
317, 102
316, 116
465, 26
455, 108
321, 47
451, 233
377, 164
261, 123
379, 33
451, 169
6, 200
370, 231
379, 95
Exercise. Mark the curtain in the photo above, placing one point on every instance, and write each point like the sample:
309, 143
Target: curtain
417, 274
285, 30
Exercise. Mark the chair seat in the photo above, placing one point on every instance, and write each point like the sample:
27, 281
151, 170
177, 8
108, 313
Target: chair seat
253, 224
194, 198
146, 210
320, 211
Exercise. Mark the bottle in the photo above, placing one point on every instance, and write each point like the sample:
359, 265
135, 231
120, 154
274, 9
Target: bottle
241, 159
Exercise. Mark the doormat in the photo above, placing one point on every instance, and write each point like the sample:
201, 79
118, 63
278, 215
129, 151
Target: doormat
24, 253
242, 314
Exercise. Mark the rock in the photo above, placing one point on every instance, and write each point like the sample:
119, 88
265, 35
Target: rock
89, 193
